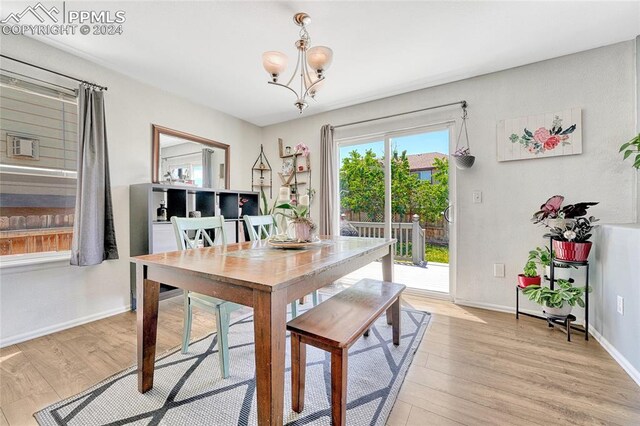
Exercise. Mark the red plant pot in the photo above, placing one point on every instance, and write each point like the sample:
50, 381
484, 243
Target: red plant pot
527, 281
571, 251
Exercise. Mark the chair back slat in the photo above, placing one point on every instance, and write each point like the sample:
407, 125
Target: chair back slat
260, 227
201, 225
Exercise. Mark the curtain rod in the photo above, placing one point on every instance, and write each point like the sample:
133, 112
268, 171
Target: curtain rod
462, 103
55, 72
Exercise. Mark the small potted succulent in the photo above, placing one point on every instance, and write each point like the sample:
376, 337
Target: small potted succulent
463, 158
557, 302
542, 256
529, 275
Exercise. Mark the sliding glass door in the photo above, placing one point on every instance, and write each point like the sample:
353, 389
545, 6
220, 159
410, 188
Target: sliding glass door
397, 184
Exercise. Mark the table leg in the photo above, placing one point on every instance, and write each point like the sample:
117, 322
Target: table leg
387, 275
147, 323
270, 337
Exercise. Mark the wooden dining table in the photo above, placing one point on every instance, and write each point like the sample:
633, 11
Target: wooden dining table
256, 275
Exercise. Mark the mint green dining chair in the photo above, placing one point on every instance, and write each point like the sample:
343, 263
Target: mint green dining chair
263, 227
197, 232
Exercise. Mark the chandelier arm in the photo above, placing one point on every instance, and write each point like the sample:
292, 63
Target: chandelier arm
308, 75
314, 83
295, 71
282, 85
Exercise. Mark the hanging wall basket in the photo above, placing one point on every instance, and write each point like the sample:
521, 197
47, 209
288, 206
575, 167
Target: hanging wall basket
462, 156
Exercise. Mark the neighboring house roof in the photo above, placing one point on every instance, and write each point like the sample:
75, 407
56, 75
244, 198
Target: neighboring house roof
424, 161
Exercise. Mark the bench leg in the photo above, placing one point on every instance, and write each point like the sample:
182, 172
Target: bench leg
298, 372
339, 387
395, 314
366, 333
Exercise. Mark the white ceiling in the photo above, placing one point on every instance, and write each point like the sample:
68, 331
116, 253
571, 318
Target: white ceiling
210, 52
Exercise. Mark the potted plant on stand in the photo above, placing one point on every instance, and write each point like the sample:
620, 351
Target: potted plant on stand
558, 302
571, 242
530, 276
542, 256
568, 226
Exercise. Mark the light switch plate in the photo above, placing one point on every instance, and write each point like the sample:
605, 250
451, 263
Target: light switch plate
477, 197
498, 270
620, 305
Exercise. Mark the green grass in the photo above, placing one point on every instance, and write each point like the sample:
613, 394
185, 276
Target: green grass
433, 253
437, 254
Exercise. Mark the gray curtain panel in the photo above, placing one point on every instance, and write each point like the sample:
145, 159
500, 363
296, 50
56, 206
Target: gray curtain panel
328, 181
207, 167
94, 237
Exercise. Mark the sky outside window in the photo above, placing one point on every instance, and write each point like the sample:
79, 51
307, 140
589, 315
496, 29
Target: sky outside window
414, 144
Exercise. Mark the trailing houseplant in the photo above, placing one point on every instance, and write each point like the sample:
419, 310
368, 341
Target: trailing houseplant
557, 302
569, 227
529, 275
630, 148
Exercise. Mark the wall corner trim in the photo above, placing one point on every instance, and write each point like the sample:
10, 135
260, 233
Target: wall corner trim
12, 340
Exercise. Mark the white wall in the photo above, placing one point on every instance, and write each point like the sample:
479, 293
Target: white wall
34, 300
616, 273
600, 81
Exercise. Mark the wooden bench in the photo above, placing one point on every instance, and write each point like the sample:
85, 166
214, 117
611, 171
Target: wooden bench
334, 326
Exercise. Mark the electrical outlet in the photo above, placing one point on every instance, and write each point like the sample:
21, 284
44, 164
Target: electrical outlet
477, 197
498, 270
621, 305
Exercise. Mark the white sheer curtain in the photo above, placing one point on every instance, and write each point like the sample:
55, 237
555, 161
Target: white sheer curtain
328, 181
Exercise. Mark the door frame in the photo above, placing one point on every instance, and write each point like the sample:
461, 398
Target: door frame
386, 137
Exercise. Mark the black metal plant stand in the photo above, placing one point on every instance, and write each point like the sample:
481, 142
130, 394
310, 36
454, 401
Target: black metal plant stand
563, 323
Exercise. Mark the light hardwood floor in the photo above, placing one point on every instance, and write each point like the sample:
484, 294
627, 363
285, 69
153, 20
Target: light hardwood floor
474, 367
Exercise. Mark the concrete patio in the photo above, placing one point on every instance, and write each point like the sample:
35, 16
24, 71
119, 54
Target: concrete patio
433, 277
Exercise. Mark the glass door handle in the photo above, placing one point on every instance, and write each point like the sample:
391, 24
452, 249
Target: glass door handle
447, 213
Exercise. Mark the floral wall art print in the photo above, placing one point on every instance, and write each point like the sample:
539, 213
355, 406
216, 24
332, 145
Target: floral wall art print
540, 136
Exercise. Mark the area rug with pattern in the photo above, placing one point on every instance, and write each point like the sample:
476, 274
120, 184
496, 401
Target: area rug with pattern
188, 389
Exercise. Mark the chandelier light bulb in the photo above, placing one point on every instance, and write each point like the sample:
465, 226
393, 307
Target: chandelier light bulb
309, 80
319, 58
274, 63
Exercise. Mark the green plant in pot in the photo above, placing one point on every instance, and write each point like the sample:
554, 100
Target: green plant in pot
569, 226
632, 148
529, 276
299, 216
542, 256
557, 302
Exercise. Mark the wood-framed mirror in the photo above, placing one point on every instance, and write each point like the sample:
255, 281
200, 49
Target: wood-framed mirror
181, 158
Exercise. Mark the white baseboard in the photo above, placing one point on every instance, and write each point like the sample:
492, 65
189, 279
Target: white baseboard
62, 326
620, 359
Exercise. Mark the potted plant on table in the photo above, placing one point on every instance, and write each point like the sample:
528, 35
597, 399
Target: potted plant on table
557, 302
299, 216
530, 276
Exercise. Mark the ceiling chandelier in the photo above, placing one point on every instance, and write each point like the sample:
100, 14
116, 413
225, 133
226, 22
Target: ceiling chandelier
311, 64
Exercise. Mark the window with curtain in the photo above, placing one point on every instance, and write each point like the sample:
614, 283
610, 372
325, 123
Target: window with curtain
38, 155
